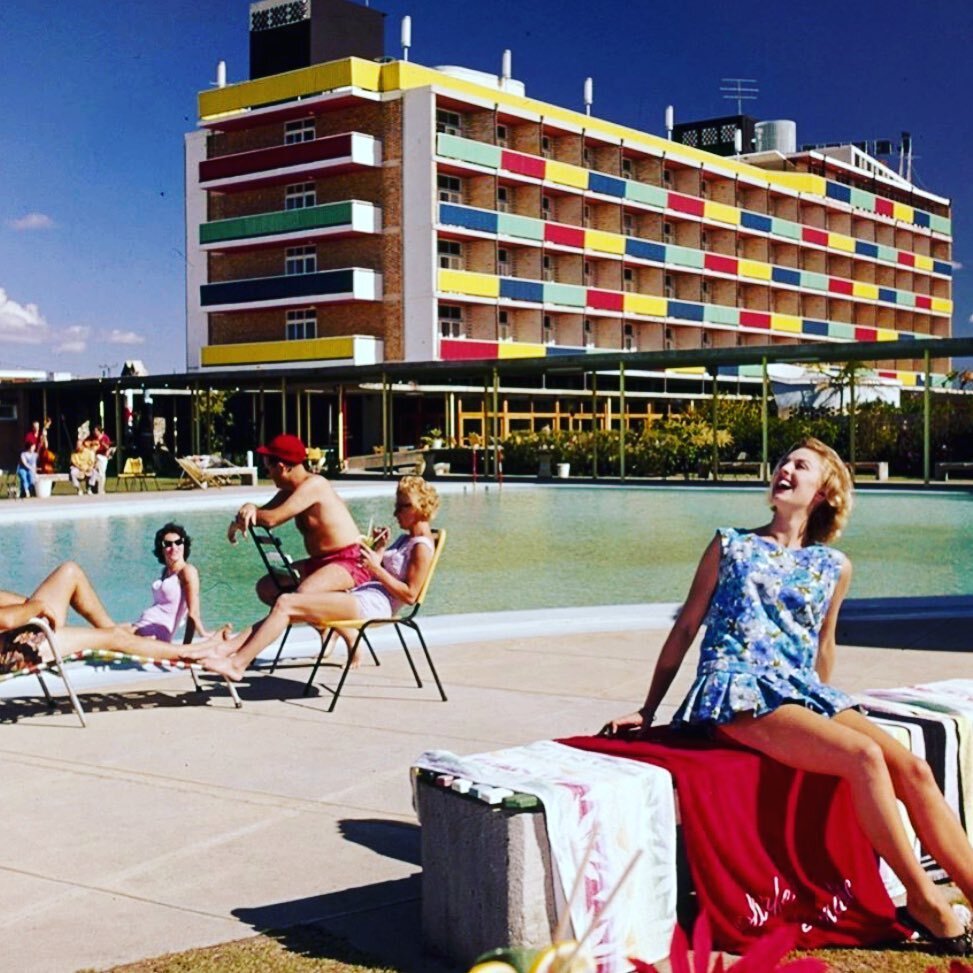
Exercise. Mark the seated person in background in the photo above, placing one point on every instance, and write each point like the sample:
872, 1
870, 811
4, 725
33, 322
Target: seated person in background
396, 574
175, 594
27, 471
100, 443
83, 469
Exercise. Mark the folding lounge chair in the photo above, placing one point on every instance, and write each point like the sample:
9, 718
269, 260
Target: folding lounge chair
60, 664
363, 625
198, 476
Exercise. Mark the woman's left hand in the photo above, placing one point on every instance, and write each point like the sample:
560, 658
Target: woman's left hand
369, 558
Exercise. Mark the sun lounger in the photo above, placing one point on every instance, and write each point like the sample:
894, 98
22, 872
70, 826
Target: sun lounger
204, 475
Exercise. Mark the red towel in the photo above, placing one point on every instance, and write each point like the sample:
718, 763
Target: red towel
768, 844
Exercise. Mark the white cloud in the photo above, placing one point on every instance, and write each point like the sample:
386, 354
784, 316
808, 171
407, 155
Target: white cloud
72, 340
957, 265
116, 337
32, 221
21, 322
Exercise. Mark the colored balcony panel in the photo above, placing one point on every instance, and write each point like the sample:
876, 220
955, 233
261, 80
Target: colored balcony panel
905, 299
569, 295
921, 218
838, 285
889, 254
521, 349
691, 205
467, 150
810, 234
867, 291
865, 249
785, 228
906, 259
728, 371
648, 305
940, 224
866, 334
329, 283
685, 257
462, 349
605, 300
464, 282
523, 165
645, 250
923, 262
886, 294
721, 213
639, 192
942, 267
838, 241
483, 220
923, 302
819, 329
598, 182
324, 150
564, 236
789, 323
268, 224
784, 275
560, 351
566, 175
756, 221
754, 319
862, 199
522, 227
838, 329
942, 305
522, 290
887, 334
602, 242
903, 212
814, 281
755, 270
686, 311
838, 191
883, 206
720, 264
721, 314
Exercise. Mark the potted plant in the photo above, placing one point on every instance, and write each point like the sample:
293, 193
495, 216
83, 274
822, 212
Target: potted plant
433, 439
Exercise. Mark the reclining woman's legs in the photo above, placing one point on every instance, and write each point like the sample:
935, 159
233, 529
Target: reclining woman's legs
68, 586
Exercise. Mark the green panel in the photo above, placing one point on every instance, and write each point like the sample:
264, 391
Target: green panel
509, 224
941, 224
863, 199
785, 228
888, 253
837, 329
684, 257
720, 314
479, 153
905, 299
287, 221
751, 371
639, 192
567, 294
813, 281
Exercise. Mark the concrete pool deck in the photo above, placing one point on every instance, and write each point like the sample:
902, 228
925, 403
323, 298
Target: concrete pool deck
175, 821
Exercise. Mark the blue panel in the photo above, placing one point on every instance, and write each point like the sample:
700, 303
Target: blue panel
277, 288
921, 218
607, 185
685, 311
728, 370
645, 250
835, 190
522, 290
886, 294
782, 275
819, 328
471, 219
941, 267
865, 249
553, 351
755, 221
906, 336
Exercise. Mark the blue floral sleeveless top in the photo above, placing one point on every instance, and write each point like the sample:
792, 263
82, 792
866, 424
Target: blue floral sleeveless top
762, 631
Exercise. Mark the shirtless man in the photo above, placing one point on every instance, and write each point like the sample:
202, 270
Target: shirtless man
330, 534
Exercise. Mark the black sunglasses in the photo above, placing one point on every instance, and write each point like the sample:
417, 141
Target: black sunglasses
175, 543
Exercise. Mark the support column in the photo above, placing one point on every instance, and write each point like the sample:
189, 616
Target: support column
496, 425
714, 418
622, 421
764, 421
927, 418
594, 425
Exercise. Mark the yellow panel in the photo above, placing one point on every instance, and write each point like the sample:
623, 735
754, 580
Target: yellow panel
721, 213
688, 370
861, 289
903, 212
605, 242
838, 241
923, 262
887, 334
655, 307
463, 282
565, 174
755, 270
908, 378
785, 322
266, 352
942, 304
517, 349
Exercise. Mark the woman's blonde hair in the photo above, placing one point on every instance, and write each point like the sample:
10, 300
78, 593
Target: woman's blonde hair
423, 496
828, 519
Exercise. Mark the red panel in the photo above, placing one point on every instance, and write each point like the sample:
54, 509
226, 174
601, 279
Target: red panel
907, 259
275, 157
888, 374
685, 204
924, 302
883, 206
526, 165
866, 334
717, 262
605, 300
810, 235
838, 286
754, 319
459, 349
565, 236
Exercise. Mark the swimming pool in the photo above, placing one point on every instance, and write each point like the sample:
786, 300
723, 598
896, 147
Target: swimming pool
520, 547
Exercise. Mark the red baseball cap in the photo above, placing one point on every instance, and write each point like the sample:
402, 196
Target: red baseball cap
288, 448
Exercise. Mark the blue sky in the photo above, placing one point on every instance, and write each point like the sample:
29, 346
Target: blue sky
97, 96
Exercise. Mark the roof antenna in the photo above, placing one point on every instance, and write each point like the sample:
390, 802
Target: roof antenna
670, 121
589, 94
220, 74
406, 36
506, 68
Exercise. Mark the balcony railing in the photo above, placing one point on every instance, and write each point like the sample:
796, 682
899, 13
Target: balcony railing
351, 216
352, 284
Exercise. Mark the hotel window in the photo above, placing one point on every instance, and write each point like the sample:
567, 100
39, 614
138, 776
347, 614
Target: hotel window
628, 224
300, 260
502, 136
503, 326
300, 196
586, 157
503, 199
704, 188
450, 189
586, 215
666, 232
628, 279
667, 339
451, 321
449, 122
705, 339
628, 337
704, 289
548, 265
504, 265
547, 147
704, 240
301, 325
586, 271
589, 333
547, 210
300, 131
548, 331
667, 286
628, 168
667, 176
450, 254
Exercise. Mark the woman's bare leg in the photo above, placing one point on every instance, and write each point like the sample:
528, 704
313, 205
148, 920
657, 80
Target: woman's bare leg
807, 741
118, 639
67, 585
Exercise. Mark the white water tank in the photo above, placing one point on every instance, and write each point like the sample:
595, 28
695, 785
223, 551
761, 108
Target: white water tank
779, 135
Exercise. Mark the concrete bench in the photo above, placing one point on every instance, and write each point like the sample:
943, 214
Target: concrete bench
944, 469
740, 467
401, 461
880, 468
46, 481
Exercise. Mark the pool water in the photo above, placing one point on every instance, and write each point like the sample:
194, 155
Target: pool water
520, 548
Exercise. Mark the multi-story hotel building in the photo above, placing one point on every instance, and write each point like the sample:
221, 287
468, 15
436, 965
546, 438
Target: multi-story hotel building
366, 210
